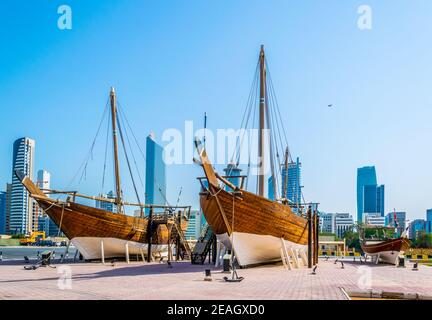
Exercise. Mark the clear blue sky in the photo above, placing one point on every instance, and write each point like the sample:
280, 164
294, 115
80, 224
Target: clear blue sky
172, 60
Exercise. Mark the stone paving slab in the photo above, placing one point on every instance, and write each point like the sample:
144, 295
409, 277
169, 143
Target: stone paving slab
185, 281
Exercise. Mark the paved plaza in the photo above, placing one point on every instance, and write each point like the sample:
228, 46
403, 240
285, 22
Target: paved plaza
186, 282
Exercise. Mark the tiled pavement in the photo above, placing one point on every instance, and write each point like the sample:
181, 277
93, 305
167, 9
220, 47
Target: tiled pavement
185, 281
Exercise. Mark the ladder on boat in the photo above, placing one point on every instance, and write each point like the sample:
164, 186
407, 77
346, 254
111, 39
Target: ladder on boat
203, 245
177, 233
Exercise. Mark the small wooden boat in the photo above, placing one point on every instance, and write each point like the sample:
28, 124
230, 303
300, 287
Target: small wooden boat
99, 233
254, 227
385, 250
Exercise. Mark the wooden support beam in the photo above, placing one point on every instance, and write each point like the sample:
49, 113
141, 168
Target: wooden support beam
149, 235
102, 251
316, 237
127, 252
142, 255
309, 218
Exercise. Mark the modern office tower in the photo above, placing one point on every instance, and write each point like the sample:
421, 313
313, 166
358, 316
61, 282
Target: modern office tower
294, 181
155, 173
416, 227
270, 190
343, 222
327, 222
373, 199
2, 212
8, 206
234, 172
380, 200
400, 222
108, 206
44, 222
365, 176
39, 217
21, 211
429, 220
373, 219
195, 226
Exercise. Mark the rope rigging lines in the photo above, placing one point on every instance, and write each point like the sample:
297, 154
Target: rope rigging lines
277, 135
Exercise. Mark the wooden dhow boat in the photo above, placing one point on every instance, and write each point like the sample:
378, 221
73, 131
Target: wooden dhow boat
254, 227
98, 233
382, 248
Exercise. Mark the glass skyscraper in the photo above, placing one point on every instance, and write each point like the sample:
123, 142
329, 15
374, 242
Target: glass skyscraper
370, 196
293, 184
108, 206
155, 173
21, 207
373, 199
2, 212
416, 227
429, 221
234, 173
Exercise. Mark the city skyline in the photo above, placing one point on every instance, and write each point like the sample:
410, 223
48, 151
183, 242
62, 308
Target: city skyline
357, 71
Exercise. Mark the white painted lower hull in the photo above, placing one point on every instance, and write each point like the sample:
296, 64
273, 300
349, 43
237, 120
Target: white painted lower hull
390, 257
251, 249
91, 247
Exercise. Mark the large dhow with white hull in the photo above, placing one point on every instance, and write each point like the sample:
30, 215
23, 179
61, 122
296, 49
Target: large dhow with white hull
256, 228
99, 233
381, 244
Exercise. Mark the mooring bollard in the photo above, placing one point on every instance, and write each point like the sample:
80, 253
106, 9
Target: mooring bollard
401, 262
227, 261
208, 275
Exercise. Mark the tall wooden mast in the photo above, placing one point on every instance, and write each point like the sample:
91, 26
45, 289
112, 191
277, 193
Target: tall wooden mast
285, 182
116, 160
262, 111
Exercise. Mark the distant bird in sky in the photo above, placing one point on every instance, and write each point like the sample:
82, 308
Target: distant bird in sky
330, 105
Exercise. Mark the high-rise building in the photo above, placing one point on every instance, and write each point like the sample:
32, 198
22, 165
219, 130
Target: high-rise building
195, 225
343, 222
416, 227
42, 222
327, 222
270, 190
8, 206
2, 212
155, 173
233, 172
294, 181
370, 196
400, 222
21, 210
380, 200
44, 183
373, 199
429, 220
373, 219
108, 206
